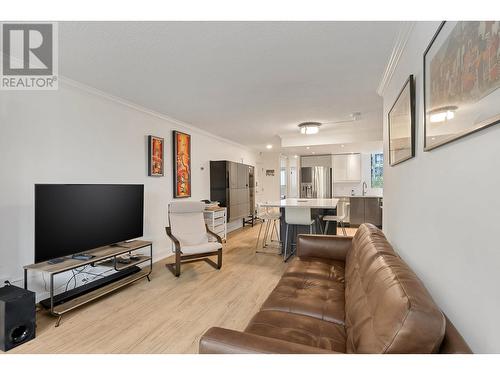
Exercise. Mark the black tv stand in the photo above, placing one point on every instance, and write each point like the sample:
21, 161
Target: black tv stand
107, 256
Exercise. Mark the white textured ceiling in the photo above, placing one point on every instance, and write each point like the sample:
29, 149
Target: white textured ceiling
246, 81
326, 149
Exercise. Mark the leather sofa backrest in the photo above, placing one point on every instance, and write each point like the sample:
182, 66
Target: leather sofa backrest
388, 310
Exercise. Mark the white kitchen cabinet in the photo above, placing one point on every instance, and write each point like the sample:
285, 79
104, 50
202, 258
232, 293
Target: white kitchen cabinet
339, 168
354, 167
347, 168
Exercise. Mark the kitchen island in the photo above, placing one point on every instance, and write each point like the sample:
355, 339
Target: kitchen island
363, 209
318, 206
319, 203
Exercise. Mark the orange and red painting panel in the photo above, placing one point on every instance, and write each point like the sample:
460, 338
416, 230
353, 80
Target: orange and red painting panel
182, 165
155, 162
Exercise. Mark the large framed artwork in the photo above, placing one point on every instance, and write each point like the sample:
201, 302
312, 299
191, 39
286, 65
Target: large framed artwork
182, 165
155, 156
401, 121
461, 81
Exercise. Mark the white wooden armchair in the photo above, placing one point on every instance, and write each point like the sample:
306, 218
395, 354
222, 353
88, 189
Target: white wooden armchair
190, 236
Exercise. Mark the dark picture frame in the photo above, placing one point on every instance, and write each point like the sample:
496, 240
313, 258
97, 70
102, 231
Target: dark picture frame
464, 99
182, 164
402, 114
156, 156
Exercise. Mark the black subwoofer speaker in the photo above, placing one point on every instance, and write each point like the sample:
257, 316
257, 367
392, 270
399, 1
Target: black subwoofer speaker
17, 317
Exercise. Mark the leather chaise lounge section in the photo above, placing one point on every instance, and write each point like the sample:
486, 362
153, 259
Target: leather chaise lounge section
344, 295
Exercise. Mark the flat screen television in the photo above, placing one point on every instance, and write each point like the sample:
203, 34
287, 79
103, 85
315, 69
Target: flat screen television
71, 219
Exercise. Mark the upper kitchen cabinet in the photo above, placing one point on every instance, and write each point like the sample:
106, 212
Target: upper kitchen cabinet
347, 168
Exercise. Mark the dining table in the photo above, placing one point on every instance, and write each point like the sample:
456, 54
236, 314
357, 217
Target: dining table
318, 206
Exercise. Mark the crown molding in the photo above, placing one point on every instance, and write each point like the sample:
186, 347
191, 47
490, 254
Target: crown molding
397, 51
93, 91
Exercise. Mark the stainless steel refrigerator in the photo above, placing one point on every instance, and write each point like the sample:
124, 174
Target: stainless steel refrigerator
316, 180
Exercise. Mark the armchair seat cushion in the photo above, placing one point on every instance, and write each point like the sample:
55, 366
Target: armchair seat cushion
201, 248
299, 329
304, 294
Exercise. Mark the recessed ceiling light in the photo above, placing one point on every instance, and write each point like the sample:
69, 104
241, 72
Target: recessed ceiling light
313, 152
269, 147
296, 156
342, 146
308, 147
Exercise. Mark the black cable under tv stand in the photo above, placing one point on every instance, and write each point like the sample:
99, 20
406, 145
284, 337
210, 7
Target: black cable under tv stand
106, 256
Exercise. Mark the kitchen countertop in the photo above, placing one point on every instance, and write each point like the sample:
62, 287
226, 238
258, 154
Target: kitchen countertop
303, 202
359, 196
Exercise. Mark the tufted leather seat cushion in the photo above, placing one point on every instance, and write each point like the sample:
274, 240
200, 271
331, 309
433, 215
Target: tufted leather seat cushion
316, 294
320, 268
298, 329
388, 310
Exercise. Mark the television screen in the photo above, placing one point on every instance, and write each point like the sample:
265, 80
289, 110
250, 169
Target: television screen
71, 219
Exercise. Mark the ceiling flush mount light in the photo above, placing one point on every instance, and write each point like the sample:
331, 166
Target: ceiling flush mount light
269, 147
309, 128
442, 114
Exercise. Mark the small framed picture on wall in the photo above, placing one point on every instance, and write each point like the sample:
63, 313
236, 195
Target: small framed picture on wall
155, 156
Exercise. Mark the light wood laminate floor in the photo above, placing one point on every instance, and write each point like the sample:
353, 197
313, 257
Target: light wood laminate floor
167, 315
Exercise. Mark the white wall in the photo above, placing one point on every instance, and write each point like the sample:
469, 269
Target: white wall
76, 135
344, 188
441, 212
268, 187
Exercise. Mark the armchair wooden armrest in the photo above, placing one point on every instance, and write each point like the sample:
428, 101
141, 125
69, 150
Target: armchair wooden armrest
219, 238
176, 242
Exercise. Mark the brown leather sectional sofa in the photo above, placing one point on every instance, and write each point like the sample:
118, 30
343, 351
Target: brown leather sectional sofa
344, 295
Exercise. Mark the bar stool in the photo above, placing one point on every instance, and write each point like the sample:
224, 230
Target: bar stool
268, 216
296, 216
338, 218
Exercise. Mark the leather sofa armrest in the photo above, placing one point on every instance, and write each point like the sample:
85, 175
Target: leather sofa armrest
453, 342
226, 341
321, 246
